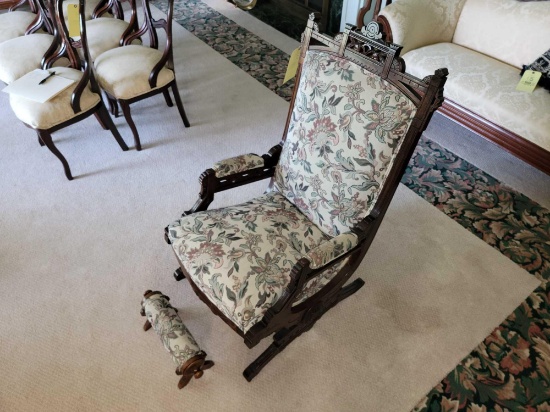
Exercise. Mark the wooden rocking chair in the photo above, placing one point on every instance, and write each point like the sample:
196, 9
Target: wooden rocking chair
276, 264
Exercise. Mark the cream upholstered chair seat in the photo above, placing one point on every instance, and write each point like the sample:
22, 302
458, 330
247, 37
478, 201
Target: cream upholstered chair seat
57, 110
14, 24
104, 34
22, 55
124, 72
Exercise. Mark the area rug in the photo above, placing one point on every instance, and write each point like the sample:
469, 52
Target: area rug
509, 221
76, 257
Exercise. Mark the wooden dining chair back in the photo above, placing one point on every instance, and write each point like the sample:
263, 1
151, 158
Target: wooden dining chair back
15, 22
73, 104
274, 265
23, 54
107, 29
136, 72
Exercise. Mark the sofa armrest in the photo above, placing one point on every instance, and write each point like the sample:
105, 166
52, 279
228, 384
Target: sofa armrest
237, 164
418, 23
332, 249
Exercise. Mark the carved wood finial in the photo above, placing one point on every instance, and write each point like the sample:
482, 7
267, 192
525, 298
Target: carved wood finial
372, 31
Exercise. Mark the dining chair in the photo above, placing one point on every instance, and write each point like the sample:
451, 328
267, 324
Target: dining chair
276, 264
73, 104
23, 54
16, 23
108, 32
135, 72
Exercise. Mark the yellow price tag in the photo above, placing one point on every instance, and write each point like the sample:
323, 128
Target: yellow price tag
528, 81
73, 18
292, 65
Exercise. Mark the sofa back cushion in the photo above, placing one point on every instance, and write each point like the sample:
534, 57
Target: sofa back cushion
346, 127
419, 23
511, 31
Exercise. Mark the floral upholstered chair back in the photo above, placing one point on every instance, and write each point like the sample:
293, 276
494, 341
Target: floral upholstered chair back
345, 131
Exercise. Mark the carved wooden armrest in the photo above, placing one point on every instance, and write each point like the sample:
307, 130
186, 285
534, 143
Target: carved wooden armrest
211, 181
237, 164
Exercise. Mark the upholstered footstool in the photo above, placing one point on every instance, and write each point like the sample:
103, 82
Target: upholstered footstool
186, 353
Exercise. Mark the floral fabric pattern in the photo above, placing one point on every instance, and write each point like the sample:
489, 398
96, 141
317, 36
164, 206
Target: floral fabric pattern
237, 164
459, 189
346, 127
332, 249
241, 256
175, 336
509, 370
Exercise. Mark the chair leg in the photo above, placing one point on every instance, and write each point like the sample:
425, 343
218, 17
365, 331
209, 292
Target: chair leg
167, 98
285, 336
46, 138
104, 118
128, 116
113, 106
177, 98
96, 114
39, 139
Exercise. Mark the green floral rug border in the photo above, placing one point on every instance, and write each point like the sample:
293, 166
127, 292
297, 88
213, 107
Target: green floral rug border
510, 369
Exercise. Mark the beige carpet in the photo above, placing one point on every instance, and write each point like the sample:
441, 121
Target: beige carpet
75, 258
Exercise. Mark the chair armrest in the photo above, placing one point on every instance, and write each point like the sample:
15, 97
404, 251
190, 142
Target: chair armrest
418, 23
234, 173
237, 164
331, 250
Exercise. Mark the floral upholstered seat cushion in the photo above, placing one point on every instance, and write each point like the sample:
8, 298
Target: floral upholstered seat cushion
346, 126
240, 257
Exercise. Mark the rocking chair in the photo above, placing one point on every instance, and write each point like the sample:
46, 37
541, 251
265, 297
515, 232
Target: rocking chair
276, 264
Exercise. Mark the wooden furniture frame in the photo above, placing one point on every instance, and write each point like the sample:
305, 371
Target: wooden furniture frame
7, 4
63, 46
149, 27
283, 319
517, 145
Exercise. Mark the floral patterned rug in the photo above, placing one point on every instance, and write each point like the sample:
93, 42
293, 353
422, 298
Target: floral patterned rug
510, 369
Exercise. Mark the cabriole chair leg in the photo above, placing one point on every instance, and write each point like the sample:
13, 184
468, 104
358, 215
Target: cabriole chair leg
167, 98
46, 138
105, 119
128, 116
179, 103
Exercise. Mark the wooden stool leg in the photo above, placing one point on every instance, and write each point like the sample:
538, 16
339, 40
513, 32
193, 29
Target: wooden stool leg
194, 367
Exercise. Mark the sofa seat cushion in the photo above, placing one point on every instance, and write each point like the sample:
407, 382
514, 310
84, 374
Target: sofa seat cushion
487, 87
124, 72
56, 110
22, 55
14, 24
241, 256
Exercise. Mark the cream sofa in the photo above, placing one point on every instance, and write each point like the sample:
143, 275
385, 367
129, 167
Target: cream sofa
483, 44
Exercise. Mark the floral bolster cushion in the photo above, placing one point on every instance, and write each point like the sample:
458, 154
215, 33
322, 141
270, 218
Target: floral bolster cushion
175, 336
